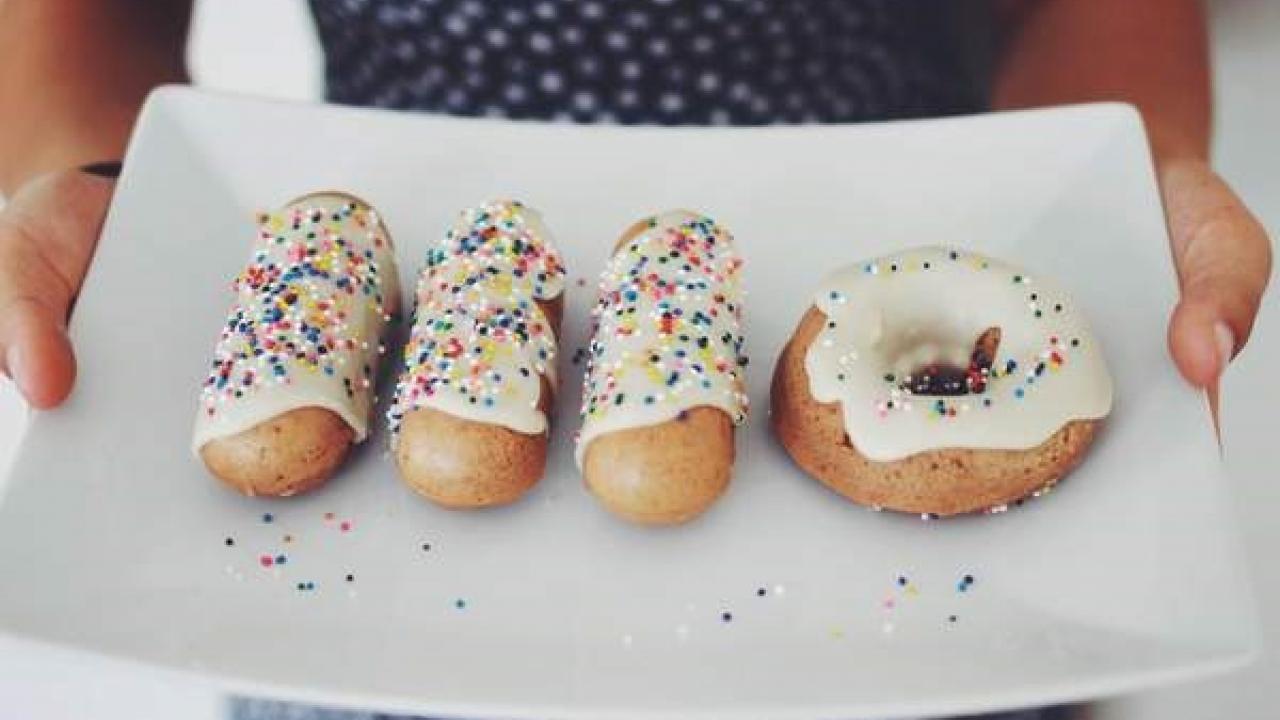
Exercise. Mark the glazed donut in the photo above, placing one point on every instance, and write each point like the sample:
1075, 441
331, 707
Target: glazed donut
469, 422
664, 384
291, 383
939, 381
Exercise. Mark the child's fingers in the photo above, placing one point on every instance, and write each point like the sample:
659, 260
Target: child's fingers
34, 349
47, 235
37, 354
1223, 258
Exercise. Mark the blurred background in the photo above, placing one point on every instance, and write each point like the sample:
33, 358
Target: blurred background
269, 48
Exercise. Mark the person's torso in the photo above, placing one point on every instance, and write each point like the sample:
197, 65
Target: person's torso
648, 61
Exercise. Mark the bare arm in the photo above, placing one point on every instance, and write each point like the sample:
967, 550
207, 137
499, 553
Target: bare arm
73, 74
1154, 54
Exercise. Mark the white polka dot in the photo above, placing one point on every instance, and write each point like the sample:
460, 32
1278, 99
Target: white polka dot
545, 10
617, 40
671, 103
406, 51
605, 117
733, 31
659, 47
516, 16
795, 100
712, 11
455, 98
760, 105
562, 116
784, 50
473, 55
494, 111
473, 8
775, 27
540, 42
637, 20
475, 79
456, 24
720, 116
497, 37
388, 15
740, 91
571, 34
515, 94
703, 44
584, 101
592, 11
680, 23
813, 68
708, 81
746, 55
631, 69
628, 97
551, 82
588, 65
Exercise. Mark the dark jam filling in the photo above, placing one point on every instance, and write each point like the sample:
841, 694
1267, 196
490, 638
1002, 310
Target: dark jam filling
941, 379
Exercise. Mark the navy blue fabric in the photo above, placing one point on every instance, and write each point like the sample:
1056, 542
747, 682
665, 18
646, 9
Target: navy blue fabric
676, 62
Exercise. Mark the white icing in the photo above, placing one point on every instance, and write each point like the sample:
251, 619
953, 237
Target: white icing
480, 343
893, 314
667, 334
324, 263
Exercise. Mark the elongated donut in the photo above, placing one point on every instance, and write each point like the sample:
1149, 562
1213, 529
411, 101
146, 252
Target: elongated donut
939, 381
469, 422
290, 388
664, 384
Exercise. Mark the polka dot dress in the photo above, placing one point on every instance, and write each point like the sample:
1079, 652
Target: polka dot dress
669, 62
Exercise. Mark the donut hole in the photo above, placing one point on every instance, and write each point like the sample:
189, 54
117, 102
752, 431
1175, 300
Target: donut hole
937, 360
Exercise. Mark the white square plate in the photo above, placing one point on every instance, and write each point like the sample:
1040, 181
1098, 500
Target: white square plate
113, 540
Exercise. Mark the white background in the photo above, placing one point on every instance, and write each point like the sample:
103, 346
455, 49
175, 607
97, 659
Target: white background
268, 47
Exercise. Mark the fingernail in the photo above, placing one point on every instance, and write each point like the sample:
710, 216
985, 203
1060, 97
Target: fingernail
1226, 344
13, 364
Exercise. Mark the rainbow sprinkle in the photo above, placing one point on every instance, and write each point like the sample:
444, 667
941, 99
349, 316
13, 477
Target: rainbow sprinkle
667, 325
315, 268
480, 342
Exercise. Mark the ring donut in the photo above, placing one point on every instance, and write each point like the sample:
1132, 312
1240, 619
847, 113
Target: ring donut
939, 381
664, 384
469, 422
290, 389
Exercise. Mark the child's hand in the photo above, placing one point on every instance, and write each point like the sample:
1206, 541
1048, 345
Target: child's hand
47, 234
1223, 257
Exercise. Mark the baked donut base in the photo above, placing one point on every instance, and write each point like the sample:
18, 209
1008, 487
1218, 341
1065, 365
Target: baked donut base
943, 482
462, 464
291, 453
459, 463
663, 474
